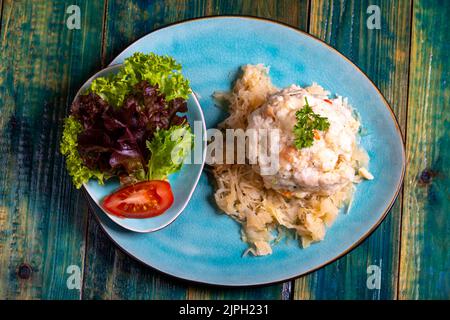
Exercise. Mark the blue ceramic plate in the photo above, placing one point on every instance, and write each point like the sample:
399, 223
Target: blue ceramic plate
204, 245
183, 183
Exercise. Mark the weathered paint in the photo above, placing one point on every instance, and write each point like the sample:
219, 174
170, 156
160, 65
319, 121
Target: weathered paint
43, 219
425, 258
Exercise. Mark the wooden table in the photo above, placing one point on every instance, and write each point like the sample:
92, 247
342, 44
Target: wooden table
48, 237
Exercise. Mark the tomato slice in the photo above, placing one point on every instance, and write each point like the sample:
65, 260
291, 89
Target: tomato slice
328, 101
141, 200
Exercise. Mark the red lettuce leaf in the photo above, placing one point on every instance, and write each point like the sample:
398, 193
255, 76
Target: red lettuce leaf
114, 139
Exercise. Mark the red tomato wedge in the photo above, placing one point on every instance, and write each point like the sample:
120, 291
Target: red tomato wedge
141, 200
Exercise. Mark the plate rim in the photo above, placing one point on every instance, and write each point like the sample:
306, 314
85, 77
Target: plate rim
344, 252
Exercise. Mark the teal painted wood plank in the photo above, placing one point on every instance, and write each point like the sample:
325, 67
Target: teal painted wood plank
143, 17
425, 258
384, 55
1, 10
42, 218
110, 273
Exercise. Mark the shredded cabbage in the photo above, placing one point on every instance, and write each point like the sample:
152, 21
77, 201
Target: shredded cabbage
264, 212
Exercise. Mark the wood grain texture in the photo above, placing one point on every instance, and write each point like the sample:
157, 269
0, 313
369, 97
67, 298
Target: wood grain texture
44, 223
109, 272
425, 258
134, 19
42, 218
1, 11
384, 56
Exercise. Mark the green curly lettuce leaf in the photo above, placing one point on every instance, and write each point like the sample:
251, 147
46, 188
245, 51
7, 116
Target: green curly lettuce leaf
169, 148
163, 71
68, 147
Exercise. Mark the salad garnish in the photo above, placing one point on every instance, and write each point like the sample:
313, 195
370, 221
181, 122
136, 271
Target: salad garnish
129, 124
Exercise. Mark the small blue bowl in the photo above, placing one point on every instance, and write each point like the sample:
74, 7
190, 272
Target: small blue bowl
183, 182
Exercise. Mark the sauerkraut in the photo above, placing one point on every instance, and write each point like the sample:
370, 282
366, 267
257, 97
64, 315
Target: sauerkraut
293, 198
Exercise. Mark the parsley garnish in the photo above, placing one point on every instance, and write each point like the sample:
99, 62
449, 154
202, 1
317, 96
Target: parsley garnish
307, 122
